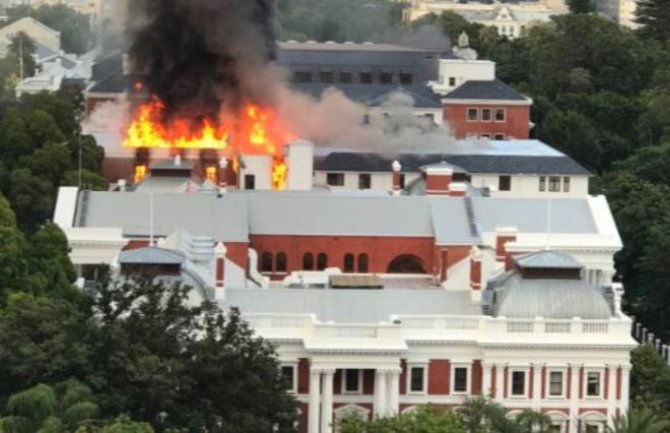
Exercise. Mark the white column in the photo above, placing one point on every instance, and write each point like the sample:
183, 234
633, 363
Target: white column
486, 379
537, 386
380, 393
611, 393
314, 398
327, 402
574, 398
500, 375
625, 388
393, 393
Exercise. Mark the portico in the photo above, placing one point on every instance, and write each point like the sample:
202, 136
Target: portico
386, 391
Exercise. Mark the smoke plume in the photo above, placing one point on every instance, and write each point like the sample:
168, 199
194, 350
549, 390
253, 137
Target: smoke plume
195, 55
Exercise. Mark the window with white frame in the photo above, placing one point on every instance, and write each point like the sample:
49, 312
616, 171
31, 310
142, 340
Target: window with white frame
500, 114
472, 115
352, 382
452, 81
417, 379
460, 379
593, 385
554, 184
556, 383
290, 377
591, 428
487, 114
543, 183
518, 383
566, 184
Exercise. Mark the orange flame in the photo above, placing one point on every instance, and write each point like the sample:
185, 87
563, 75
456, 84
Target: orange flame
255, 130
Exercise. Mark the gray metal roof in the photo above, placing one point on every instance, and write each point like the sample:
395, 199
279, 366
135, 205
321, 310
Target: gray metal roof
531, 215
450, 221
327, 214
546, 260
351, 306
203, 214
494, 89
151, 256
551, 299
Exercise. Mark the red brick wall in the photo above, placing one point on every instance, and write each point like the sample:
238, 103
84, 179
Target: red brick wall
435, 183
238, 252
303, 376
439, 372
368, 382
516, 124
380, 251
403, 377
303, 417
477, 378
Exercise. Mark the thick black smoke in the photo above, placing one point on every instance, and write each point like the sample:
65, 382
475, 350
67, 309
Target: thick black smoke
195, 55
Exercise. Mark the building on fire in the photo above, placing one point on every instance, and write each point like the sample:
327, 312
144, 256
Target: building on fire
380, 299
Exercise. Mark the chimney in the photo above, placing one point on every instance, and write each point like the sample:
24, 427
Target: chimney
444, 265
300, 165
476, 270
177, 160
396, 167
438, 179
504, 235
220, 270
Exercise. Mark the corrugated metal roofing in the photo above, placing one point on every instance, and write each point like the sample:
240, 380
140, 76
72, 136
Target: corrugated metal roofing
551, 299
547, 259
351, 306
202, 214
326, 214
531, 215
151, 256
494, 89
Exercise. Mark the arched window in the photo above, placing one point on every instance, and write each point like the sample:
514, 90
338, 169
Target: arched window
308, 262
281, 262
321, 261
348, 263
406, 264
363, 263
266, 262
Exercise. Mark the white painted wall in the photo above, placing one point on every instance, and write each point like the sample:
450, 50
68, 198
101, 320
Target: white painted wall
462, 70
529, 186
259, 166
300, 163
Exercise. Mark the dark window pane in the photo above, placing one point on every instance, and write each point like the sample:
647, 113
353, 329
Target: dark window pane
308, 262
518, 383
406, 79
266, 262
461, 379
351, 381
302, 77
348, 263
366, 77
335, 179
364, 181
504, 183
416, 379
362, 263
346, 77
326, 77
287, 375
281, 262
321, 262
249, 181
386, 78
556, 383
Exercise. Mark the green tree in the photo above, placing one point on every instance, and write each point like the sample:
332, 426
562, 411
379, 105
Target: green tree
177, 366
654, 17
425, 419
639, 421
125, 425
42, 340
650, 380
44, 409
22, 47
574, 134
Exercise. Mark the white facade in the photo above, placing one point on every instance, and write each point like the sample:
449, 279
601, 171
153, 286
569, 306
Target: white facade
37, 31
454, 72
511, 20
569, 186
